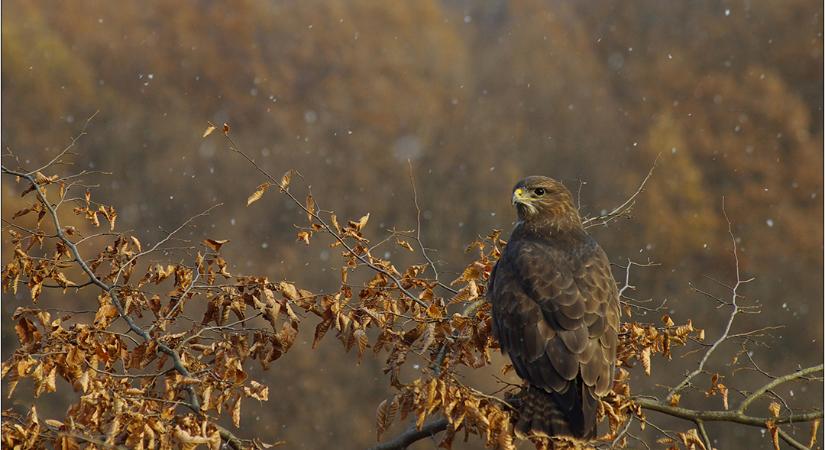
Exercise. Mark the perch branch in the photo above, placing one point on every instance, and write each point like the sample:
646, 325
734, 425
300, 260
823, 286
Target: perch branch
413, 434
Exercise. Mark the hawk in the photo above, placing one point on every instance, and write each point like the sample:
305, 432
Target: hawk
555, 309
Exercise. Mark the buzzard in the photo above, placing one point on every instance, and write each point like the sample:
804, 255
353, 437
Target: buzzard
555, 311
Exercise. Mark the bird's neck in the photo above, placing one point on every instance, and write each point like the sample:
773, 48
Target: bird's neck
558, 227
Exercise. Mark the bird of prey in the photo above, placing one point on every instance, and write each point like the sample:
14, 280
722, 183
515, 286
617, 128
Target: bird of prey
555, 309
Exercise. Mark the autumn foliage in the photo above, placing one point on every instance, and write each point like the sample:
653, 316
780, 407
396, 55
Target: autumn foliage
192, 327
406, 123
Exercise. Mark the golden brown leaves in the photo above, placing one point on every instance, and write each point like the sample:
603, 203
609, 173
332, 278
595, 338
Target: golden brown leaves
209, 129
285, 180
461, 406
774, 408
405, 245
691, 440
189, 441
642, 341
104, 315
310, 208
214, 244
259, 192
716, 387
360, 223
645, 358
236, 412
385, 414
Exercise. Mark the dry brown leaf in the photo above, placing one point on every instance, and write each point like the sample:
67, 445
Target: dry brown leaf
259, 192
310, 206
774, 408
53, 423
334, 219
284, 184
645, 357
404, 244
257, 391
361, 340
384, 415
214, 244
362, 222
724, 391
289, 290
105, 315
137, 243
209, 130
236, 412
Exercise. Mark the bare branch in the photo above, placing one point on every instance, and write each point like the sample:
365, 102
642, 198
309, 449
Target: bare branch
723, 416
624, 207
735, 310
776, 382
418, 223
791, 441
68, 147
703, 433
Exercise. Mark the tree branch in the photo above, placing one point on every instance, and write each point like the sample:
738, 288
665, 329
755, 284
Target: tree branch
624, 207
723, 416
776, 382
699, 417
412, 435
736, 310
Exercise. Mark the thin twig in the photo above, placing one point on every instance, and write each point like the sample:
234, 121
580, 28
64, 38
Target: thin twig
624, 207
68, 147
418, 223
327, 228
736, 309
163, 241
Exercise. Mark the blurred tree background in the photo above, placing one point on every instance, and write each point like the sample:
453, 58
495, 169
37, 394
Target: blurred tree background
475, 95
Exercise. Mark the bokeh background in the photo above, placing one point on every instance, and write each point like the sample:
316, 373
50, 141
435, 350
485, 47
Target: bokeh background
475, 95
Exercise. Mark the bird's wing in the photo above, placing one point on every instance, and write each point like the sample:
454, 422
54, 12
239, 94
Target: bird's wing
556, 314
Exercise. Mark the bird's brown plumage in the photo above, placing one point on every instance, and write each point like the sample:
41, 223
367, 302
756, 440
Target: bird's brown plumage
555, 312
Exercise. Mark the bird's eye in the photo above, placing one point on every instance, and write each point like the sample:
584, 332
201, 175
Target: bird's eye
539, 191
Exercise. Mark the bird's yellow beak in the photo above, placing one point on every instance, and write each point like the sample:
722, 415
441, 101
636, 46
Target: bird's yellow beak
519, 196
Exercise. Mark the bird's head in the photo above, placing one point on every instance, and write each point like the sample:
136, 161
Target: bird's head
543, 202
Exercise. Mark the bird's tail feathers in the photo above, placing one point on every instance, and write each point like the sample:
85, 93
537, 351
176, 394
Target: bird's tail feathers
542, 413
